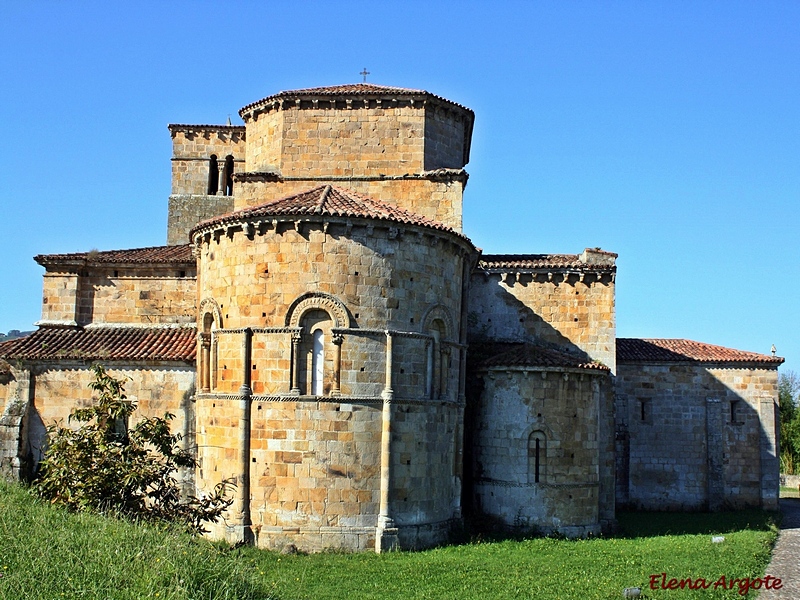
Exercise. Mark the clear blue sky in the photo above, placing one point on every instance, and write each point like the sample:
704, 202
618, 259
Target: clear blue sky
668, 132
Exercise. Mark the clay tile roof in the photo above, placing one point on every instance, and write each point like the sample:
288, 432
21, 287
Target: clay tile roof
679, 350
351, 90
184, 127
104, 343
328, 201
526, 355
511, 262
178, 255
529, 261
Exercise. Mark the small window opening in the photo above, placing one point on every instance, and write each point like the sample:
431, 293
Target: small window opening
736, 409
645, 411
537, 454
213, 175
228, 174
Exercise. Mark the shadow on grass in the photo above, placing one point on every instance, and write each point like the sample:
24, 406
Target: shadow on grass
633, 524
653, 524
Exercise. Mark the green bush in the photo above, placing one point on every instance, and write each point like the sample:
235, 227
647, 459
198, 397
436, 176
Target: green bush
104, 466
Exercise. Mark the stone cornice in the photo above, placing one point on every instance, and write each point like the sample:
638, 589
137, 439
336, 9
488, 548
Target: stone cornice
343, 399
446, 175
555, 275
204, 129
259, 225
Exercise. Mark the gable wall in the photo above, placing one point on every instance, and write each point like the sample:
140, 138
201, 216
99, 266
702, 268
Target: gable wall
577, 316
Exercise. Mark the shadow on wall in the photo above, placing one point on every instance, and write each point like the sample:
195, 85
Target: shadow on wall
499, 322
686, 440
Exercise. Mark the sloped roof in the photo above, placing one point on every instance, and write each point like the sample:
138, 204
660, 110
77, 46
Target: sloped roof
328, 201
680, 350
179, 255
531, 261
104, 343
350, 90
500, 354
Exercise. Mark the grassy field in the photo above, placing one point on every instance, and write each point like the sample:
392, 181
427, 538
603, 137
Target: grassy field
790, 492
46, 553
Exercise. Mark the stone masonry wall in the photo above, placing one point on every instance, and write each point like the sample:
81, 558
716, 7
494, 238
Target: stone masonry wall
562, 409
353, 142
192, 146
387, 277
692, 437
60, 296
141, 295
575, 316
52, 391
314, 460
444, 140
314, 469
186, 211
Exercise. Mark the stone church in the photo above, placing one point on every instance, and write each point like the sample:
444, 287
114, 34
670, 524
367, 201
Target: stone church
335, 348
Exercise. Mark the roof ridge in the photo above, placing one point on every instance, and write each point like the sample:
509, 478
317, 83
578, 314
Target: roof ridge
323, 199
332, 201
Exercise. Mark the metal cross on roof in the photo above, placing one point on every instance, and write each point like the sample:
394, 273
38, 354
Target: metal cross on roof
364, 73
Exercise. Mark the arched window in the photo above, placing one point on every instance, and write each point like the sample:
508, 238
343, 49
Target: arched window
537, 457
436, 380
213, 175
316, 365
205, 352
317, 362
228, 174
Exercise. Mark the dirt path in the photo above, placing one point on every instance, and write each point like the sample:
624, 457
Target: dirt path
785, 561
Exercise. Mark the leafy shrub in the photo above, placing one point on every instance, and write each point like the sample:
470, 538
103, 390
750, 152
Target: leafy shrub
103, 466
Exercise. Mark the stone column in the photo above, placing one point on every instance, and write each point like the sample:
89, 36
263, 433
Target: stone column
205, 362
337, 364
243, 478
386, 534
297, 337
221, 178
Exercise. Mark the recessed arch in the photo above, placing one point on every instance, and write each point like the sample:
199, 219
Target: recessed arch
210, 306
318, 301
438, 312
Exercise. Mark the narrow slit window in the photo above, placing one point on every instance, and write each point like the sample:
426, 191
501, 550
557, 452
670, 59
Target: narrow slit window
213, 175
537, 457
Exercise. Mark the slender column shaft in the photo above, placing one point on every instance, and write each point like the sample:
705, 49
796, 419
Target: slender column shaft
221, 178
245, 393
296, 337
337, 364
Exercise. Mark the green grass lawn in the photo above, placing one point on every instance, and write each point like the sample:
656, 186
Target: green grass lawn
49, 554
790, 492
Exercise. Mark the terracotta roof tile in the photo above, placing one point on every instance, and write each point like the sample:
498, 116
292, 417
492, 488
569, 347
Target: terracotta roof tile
184, 127
526, 355
328, 201
350, 89
680, 350
104, 343
181, 254
489, 262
